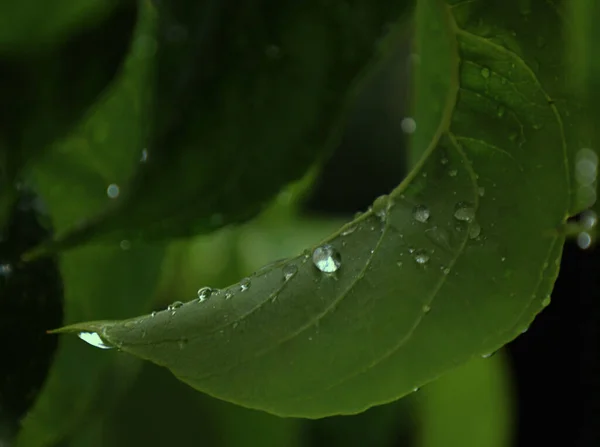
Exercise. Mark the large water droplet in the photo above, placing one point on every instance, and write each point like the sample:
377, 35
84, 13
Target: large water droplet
204, 293
244, 284
421, 256
327, 259
289, 271
113, 191
421, 213
584, 240
95, 340
464, 211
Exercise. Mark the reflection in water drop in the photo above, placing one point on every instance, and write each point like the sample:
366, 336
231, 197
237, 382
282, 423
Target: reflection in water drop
289, 271
408, 125
464, 211
421, 213
421, 256
204, 293
113, 191
327, 259
95, 340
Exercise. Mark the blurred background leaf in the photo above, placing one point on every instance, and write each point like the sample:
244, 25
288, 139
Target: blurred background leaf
218, 131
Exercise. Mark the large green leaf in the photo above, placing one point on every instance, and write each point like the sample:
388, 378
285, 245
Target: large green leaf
246, 99
113, 280
455, 263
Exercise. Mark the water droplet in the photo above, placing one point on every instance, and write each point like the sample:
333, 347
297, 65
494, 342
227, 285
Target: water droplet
415, 389
327, 259
349, 231
153, 314
174, 306
289, 271
481, 191
502, 259
426, 308
446, 271
584, 240
399, 263
125, 244
464, 211
244, 284
500, 111
204, 293
546, 301
144, 157
589, 219
95, 340
452, 172
488, 355
381, 206
485, 72
5, 269
474, 230
421, 256
408, 125
182, 342
228, 295
421, 213
444, 161
113, 191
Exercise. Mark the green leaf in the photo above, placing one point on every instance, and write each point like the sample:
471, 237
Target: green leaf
455, 263
471, 406
46, 89
111, 281
30, 23
247, 99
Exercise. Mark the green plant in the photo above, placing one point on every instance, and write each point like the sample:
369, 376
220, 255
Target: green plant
213, 110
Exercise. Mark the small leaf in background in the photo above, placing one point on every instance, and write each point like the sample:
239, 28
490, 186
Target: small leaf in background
46, 89
470, 406
247, 99
31, 301
113, 280
455, 263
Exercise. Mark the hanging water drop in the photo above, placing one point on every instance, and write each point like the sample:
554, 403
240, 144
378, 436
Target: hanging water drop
421, 256
95, 340
327, 259
464, 211
204, 293
244, 284
421, 213
289, 271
